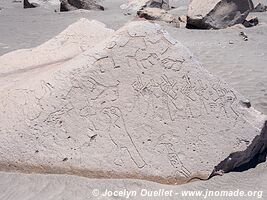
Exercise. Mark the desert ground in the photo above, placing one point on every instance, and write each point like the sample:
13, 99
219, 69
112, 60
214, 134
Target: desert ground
224, 53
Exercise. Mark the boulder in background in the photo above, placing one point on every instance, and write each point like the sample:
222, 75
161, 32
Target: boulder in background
217, 14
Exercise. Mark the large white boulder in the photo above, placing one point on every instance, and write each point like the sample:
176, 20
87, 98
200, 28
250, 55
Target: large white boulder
217, 14
75, 39
138, 105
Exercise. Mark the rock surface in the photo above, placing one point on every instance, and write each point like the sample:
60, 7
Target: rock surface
65, 6
27, 4
217, 14
260, 8
159, 15
250, 22
249, 158
162, 4
133, 6
137, 105
68, 5
78, 37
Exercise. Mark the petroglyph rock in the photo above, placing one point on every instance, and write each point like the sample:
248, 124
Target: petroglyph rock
217, 14
137, 105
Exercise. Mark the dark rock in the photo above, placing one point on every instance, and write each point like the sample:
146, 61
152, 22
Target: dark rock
162, 4
240, 161
217, 14
65, 159
260, 8
246, 103
244, 36
65, 6
27, 4
68, 5
252, 22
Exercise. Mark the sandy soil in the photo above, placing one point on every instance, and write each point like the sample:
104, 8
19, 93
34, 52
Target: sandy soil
54, 187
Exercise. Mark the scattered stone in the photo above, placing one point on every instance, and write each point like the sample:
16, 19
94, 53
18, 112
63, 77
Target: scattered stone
246, 103
159, 15
217, 14
65, 6
27, 4
162, 4
133, 6
69, 5
260, 8
65, 159
183, 19
251, 22
244, 36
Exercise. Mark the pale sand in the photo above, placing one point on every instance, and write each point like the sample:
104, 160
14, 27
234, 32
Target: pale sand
15, 186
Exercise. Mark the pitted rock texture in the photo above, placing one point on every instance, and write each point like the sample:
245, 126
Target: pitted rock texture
217, 14
137, 105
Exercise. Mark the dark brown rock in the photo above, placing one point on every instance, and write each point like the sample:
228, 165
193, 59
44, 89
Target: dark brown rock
217, 14
68, 5
27, 4
260, 8
240, 161
162, 4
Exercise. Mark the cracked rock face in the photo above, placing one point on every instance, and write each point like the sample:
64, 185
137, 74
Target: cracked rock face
217, 14
137, 105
